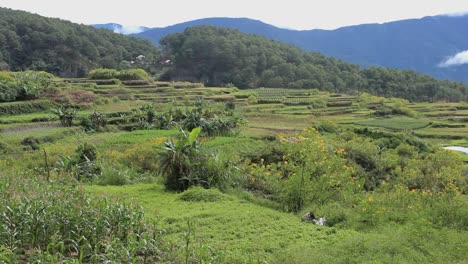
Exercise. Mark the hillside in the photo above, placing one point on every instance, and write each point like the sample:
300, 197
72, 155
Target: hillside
29, 41
389, 193
416, 44
221, 56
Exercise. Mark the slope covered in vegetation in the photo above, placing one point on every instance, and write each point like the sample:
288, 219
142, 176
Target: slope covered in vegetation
219, 56
416, 44
367, 164
33, 42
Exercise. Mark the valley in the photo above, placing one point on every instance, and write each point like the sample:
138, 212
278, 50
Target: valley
218, 146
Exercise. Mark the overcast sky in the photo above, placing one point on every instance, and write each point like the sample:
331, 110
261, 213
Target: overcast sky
293, 14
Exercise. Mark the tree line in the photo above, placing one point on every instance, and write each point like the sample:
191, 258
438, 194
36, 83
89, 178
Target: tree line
33, 42
221, 56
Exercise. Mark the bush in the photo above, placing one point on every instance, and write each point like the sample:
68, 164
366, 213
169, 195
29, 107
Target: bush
8, 91
112, 175
103, 74
23, 85
317, 104
133, 74
177, 161
252, 99
325, 126
86, 166
199, 194
94, 122
30, 143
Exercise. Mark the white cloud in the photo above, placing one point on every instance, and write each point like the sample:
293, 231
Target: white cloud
457, 59
457, 14
126, 30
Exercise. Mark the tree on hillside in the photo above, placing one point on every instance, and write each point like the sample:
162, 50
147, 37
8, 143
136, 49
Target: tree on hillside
219, 56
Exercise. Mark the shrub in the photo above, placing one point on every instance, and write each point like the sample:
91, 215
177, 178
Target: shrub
309, 172
30, 143
112, 175
32, 84
95, 122
177, 160
8, 91
199, 194
103, 74
23, 85
252, 99
325, 126
133, 74
65, 115
317, 104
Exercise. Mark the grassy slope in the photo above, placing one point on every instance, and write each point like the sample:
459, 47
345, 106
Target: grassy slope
244, 232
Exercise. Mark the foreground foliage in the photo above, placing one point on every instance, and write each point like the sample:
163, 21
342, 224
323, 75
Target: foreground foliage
57, 222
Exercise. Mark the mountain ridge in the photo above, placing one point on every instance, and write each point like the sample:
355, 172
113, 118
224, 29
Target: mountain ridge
415, 44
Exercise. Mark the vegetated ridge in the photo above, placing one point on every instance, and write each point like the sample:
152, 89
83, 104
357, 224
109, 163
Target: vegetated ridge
416, 44
221, 56
29, 41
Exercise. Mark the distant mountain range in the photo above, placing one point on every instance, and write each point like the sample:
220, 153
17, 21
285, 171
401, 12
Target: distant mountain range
432, 45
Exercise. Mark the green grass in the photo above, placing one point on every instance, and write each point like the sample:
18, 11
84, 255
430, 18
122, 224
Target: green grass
247, 233
396, 123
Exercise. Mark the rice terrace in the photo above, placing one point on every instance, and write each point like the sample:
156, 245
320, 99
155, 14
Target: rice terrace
218, 146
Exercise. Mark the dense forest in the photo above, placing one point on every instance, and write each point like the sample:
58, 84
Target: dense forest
220, 56
33, 42
415, 44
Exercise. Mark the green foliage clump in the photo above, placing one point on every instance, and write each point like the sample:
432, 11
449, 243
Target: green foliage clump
252, 99
30, 143
199, 194
326, 126
183, 164
95, 122
65, 115
23, 85
133, 75
177, 160
317, 103
308, 171
124, 75
103, 74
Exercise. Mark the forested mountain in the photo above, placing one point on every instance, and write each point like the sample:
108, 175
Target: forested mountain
416, 44
29, 41
219, 56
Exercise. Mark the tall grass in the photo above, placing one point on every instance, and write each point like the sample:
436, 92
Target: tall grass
58, 222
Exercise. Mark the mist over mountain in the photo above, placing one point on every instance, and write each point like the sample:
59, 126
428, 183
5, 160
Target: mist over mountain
121, 29
432, 45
